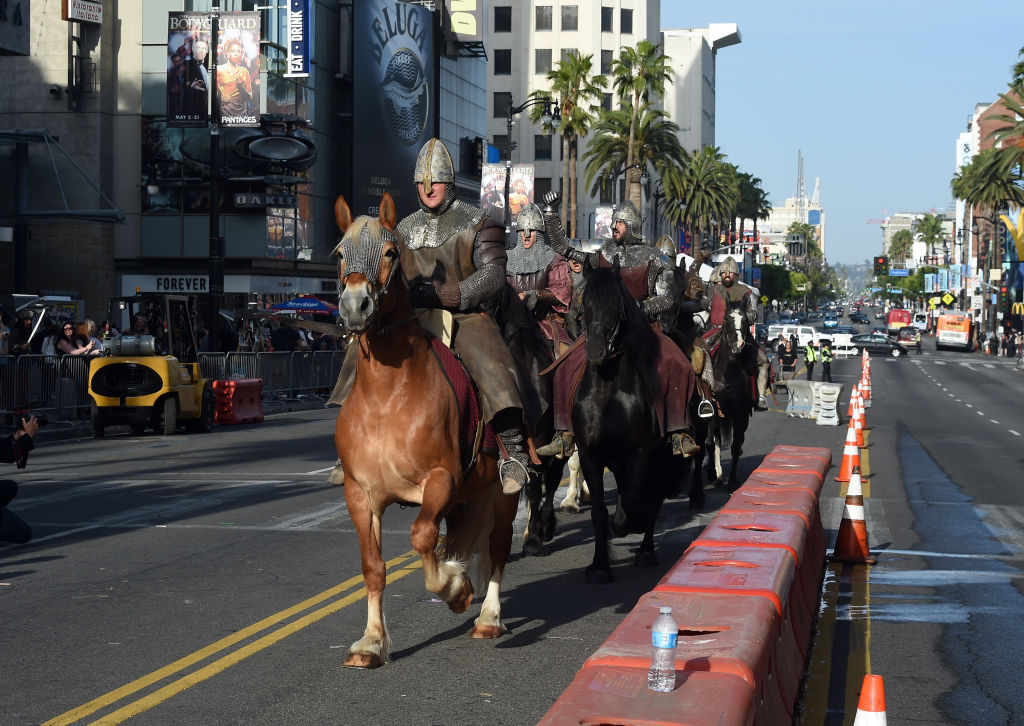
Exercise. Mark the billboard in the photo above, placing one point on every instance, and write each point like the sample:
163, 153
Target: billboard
602, 223
238, 68
492, 190
393, 77
520, 189
188, 69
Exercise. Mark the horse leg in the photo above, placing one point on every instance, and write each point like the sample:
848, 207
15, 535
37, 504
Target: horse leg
373, 649
599, 572
499, 543
446, 579
571, 503
533, 544
552, 478
738, 436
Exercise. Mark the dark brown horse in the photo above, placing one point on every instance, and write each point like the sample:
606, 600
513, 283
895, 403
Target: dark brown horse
397, 436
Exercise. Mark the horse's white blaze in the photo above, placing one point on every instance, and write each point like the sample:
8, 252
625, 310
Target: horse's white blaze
355, 305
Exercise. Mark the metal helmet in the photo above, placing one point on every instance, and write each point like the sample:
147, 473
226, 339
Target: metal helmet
530, 218
628, 213
667, 246
729, 265
434, 165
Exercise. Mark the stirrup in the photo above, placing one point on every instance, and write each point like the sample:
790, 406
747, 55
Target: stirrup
513, 475
705, 409
561, 447
683, 444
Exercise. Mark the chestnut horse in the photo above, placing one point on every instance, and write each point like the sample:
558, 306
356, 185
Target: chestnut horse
397, 436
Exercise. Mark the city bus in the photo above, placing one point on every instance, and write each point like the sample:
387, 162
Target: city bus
897, 318
954, 330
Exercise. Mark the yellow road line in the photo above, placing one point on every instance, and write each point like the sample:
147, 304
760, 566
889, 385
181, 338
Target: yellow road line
108, 699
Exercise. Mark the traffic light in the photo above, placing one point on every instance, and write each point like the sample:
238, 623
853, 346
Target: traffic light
881, 265
1004, 295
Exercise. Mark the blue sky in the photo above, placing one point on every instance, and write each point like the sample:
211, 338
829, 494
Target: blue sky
872, 93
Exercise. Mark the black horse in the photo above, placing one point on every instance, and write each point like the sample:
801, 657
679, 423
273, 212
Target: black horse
735, 361
615, 419
532, 354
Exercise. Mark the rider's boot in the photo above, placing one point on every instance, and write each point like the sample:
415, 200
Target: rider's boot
683, 443
762, 386
561, 447
337, 475
513, 471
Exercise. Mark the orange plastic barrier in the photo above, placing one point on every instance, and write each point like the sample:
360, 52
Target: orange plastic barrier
617, 695
239, 400
722, 634
745, 595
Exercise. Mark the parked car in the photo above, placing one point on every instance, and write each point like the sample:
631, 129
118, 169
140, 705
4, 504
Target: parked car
879, 343
860, 318
844, 330
804, 333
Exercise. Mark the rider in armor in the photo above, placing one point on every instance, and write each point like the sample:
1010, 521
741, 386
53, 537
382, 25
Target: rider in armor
731, 290
453, 257
650, 280
540, 275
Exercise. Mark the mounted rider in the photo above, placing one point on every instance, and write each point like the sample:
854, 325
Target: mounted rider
729, 291
540, 275
650, 280
453, 257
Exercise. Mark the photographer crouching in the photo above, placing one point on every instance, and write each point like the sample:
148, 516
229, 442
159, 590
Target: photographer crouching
14, 450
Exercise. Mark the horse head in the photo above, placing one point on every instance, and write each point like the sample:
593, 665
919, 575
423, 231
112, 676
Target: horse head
368, 261
734, 328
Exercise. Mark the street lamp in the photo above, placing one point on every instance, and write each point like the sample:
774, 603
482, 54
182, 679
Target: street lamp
549, 119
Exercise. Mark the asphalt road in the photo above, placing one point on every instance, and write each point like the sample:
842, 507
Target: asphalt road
216, 579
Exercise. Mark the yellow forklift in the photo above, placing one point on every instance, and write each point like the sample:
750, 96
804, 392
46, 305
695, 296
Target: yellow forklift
149, 376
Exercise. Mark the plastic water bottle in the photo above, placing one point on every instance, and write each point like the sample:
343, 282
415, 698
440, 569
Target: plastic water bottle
662, 675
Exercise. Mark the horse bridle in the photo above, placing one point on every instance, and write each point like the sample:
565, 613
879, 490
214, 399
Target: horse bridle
733, 346
364, 256
610, 350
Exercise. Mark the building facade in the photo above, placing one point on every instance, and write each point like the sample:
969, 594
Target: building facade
129, 207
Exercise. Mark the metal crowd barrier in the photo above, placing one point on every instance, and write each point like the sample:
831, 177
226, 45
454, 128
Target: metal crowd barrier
58, 386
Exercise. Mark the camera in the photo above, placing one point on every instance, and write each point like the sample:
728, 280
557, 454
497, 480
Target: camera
23, 417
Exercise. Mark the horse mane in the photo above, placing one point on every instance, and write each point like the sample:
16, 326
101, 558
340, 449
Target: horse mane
607, 295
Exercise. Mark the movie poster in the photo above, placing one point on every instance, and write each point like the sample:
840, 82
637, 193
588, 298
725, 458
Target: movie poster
602, 223
238, 68
188, 69
492, 191
394, 91
520, 190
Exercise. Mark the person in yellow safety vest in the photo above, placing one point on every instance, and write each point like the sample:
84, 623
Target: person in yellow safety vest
809, 358
826, 361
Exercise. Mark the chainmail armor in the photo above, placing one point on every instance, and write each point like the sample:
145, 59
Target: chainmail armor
522, 261
362, 253
432, 229
483, 285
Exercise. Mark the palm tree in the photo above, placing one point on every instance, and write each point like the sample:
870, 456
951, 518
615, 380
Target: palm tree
639, 72
658, 145
701, 194
901, 246
753, 202
1011, 136
932, 233
578, 93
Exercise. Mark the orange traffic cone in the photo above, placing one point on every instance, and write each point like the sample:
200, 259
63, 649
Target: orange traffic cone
871, 706
851, 454
853, 396
865, 389
852, 540
858, 422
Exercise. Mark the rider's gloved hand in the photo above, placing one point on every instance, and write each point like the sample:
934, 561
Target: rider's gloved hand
551, 200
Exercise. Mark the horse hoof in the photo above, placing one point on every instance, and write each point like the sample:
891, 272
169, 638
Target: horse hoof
598, 577
533, 548
463, 600
645, 559
482, 632
363, 660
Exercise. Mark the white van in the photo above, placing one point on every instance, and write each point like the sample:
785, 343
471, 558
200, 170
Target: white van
804, 334
921, 321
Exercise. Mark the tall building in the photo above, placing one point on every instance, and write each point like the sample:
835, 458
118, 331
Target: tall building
690, 99
525, 40
129, 205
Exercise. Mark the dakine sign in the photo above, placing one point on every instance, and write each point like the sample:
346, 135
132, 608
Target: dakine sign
258, 199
